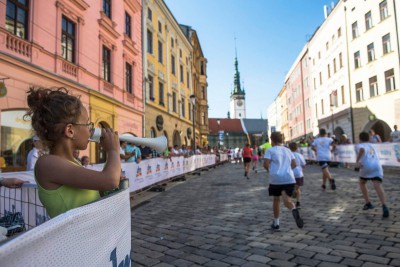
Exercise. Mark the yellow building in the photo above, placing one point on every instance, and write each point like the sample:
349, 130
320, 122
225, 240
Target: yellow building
167, 71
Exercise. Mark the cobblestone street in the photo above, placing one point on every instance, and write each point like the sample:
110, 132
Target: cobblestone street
222, 219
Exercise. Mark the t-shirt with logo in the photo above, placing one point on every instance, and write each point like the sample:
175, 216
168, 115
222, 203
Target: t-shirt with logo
370, 165
323, 145
280, 167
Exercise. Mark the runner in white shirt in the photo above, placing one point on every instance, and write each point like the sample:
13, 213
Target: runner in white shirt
298, 172
370, 170
280, 161
395, 135
322, 146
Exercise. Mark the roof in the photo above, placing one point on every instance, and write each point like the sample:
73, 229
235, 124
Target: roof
234, 125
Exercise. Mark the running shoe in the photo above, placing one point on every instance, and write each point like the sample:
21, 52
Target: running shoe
298, 205
385, 211
297, 218
323, 187
333, 185
368, 206
274, 227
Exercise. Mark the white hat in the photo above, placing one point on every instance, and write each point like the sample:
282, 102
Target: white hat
35, 138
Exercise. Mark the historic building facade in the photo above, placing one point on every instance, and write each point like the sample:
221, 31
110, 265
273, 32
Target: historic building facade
93, 48
167, 68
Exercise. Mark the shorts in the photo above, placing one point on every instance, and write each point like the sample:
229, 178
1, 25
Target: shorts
254, 157
323, 164
246, 160
276, 189
300, 181
379, 179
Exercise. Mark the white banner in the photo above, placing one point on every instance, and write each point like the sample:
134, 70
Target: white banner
389, 153
97, 234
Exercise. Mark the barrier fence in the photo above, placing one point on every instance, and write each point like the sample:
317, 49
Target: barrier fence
97, 234
389, 153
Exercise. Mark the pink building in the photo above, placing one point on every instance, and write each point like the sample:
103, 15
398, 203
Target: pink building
91, 47
298, 98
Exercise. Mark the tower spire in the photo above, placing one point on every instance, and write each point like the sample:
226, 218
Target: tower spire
237, 90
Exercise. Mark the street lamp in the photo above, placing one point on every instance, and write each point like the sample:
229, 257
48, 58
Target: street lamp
193, 100
218, 122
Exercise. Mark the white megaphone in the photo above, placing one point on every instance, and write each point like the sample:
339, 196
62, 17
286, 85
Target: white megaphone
158, 143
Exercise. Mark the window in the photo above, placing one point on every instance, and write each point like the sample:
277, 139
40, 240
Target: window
386, 44
333, 39
389, 80
339, 32
180, 53
322, 107
319, 54
383, 10
107, 8
128, 78
172, 42
359, 92
343, 95
368, 21
181, 74
371, 52
190, 110
151, 87
329, 71
316, 110
357, 60
160, 52
354, 30
183, 104
173, 64
334, 65
17, 17
159, 27
327, 46
128, 22
149, 14
315, 84
149, 42
106, 64
161, 93
340, 60
202, 68
203, 92
334, 98
320, 78
68, 40
203, 118
373, 86
174, 101
188, 79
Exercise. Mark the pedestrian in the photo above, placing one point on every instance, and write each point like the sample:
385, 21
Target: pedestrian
62, 123
34, 153
76, 154
395, 135
281, 161
246, 154
374, 137
254, 158
322, 147
370, 169
297, 172
85, 161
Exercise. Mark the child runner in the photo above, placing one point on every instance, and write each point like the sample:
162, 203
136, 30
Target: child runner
280, 161
298, 172
322, 146
246, 153
370, 170
62, 124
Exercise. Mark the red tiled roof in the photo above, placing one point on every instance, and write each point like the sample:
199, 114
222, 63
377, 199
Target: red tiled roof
226, 125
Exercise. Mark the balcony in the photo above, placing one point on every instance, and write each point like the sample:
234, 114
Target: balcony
18, 45
69, 68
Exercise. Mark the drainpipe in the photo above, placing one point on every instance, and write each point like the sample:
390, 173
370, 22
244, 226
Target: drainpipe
348, 74
144, 68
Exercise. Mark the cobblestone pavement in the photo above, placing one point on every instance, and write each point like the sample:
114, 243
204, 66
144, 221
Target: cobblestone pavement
222, 219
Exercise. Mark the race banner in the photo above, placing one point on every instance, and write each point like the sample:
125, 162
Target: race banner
389, 153
97, 234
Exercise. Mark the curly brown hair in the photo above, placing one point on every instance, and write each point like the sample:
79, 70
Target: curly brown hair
50, 110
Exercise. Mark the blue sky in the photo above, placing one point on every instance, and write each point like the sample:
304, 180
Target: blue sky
269, 36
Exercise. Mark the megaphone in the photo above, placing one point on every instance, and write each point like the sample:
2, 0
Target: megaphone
157, 143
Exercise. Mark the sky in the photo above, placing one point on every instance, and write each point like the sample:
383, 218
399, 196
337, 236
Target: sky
270, 34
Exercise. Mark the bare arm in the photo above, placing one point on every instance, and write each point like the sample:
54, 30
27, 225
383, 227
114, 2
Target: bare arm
52, 171
267, 163
360, 154
293, 164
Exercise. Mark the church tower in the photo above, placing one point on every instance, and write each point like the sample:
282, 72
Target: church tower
238, 103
